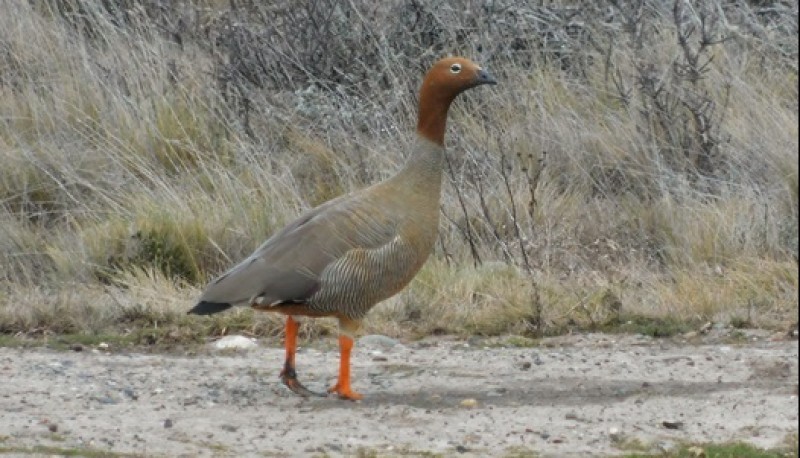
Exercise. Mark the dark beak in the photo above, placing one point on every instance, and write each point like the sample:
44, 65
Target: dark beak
484, 77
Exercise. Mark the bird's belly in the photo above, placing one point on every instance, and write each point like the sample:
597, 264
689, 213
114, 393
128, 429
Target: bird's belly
362, 278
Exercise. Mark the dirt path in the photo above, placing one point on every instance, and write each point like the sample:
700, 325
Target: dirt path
578, 395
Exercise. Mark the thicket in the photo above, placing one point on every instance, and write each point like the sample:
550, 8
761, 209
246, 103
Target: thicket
638, 157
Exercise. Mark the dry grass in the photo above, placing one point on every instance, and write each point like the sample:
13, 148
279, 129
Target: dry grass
142, 154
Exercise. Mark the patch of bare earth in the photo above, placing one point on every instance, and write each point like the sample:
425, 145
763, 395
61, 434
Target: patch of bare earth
574, 395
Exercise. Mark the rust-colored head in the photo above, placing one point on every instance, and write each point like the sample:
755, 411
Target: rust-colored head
443, 82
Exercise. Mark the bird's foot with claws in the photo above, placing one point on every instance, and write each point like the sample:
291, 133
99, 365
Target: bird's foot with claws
289, 378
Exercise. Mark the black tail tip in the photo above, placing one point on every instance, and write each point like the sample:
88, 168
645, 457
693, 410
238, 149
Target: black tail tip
208, 308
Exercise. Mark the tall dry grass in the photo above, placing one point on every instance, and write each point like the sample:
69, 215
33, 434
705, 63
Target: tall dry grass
638, 159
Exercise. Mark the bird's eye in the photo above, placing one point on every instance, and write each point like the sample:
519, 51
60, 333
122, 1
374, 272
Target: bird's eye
455, 68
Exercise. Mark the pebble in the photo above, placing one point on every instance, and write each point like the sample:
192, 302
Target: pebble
665, 446
377, 341
108, 400
469, 403
669, 424
235, 342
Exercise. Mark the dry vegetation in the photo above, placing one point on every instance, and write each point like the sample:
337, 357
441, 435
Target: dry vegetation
636, 168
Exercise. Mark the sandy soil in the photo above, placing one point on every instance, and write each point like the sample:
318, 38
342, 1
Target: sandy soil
576, 395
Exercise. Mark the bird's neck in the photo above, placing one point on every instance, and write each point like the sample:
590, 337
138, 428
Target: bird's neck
434, 104
422, 173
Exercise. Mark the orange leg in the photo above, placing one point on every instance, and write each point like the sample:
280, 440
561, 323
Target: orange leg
288, 374
342, 387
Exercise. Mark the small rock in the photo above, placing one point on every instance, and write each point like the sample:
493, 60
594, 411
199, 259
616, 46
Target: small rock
380, 359
229, 428
377, 341
706, 327
168, 423
615, 434
461, 449
571, 416
665, 447
669, 424
108, 400
76, 347
235, 343
525, 365
469, 403
102, 346
52, 427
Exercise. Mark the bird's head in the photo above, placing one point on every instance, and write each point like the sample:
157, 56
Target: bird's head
453, 75
444, 81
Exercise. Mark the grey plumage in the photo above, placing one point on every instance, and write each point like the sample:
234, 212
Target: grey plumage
347, 254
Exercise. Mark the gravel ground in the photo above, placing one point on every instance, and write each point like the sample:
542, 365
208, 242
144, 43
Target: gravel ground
575, 395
